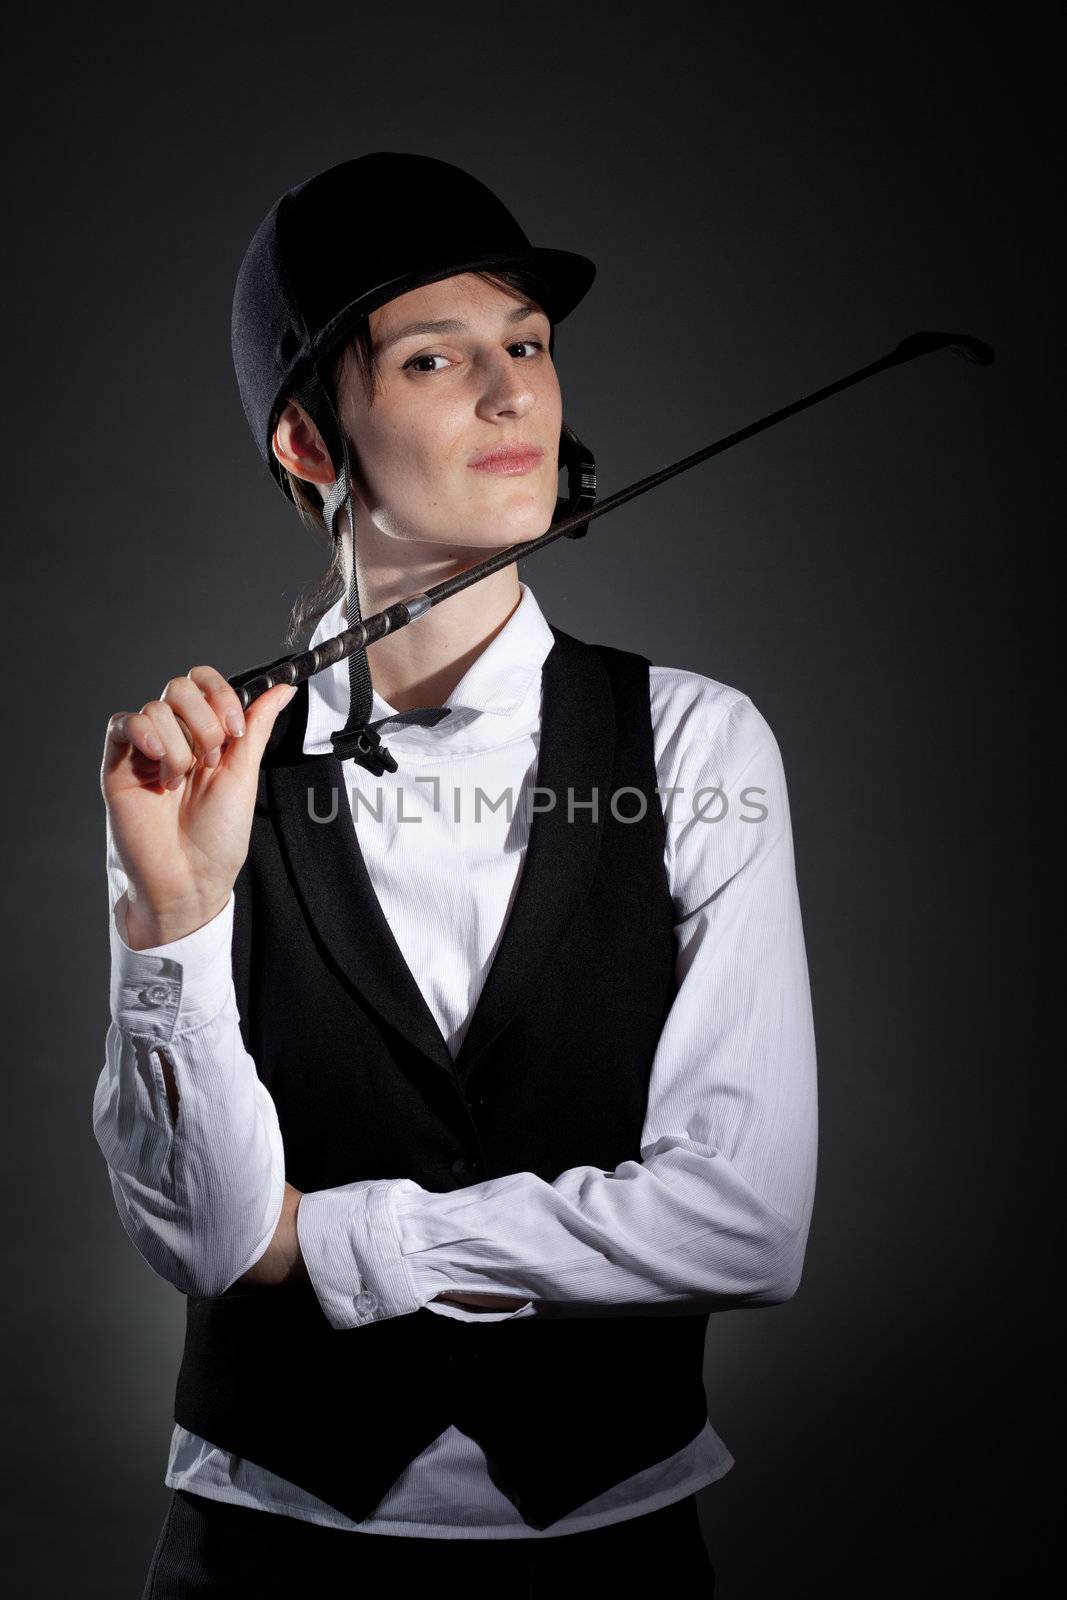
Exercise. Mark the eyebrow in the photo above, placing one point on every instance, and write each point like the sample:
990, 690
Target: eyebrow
450, 325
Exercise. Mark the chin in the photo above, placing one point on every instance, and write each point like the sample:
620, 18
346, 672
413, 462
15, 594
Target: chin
523, 532
518, 526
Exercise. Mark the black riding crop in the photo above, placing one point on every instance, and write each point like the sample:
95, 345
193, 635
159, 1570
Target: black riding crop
304, 664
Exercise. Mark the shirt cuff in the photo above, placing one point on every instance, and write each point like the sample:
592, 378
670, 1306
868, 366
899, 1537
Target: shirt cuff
351, 1248
171, 987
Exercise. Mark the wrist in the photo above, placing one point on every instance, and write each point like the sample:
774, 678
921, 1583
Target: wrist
282, 1262
147, 927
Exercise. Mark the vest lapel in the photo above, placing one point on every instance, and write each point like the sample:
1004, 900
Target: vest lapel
334, 885
577, 751
576, 757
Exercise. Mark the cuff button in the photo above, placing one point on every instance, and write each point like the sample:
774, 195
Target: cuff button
156, 994
366, 1302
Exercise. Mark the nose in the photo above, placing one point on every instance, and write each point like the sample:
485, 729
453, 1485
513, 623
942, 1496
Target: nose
507, 390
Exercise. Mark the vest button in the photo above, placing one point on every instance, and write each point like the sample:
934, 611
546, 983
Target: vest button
462, 1168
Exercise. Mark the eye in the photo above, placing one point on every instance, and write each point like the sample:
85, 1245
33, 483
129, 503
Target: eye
413, 364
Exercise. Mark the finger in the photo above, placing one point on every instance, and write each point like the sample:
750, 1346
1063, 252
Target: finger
130, 730
259, 721
188, 701
222, 698
179, 755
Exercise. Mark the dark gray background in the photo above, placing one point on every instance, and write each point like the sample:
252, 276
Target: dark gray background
774, 195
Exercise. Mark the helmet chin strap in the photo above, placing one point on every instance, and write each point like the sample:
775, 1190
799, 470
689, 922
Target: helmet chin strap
359, 738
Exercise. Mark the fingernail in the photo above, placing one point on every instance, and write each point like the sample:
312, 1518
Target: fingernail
212, 757
154, 746
236, 724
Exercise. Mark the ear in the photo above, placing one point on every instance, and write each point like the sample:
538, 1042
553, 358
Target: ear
299, 446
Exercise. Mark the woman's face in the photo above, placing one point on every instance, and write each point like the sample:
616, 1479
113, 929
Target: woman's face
445, 397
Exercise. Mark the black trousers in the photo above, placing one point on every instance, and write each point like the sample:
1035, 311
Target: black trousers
209, 1547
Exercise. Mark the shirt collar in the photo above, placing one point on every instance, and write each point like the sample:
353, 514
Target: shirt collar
497, 698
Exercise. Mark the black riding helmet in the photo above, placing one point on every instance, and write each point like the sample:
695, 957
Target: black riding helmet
330, 251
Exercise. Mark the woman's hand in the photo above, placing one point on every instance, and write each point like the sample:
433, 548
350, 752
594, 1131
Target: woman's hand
179, 782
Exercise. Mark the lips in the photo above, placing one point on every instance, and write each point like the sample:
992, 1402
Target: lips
508, 458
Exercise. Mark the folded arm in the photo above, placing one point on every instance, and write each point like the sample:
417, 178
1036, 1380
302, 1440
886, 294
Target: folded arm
715, 1214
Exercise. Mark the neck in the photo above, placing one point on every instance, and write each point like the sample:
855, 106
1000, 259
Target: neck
422, 663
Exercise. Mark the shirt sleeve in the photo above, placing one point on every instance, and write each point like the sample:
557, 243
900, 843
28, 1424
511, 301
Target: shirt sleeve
199, 1193
715, 1215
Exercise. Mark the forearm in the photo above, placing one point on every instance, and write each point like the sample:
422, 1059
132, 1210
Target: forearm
682, 1229
194, 1153
188, 1131
283, 1263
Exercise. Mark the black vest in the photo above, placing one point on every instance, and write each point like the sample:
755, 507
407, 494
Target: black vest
553, 1073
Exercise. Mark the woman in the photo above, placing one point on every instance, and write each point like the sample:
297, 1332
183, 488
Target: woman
455, 1084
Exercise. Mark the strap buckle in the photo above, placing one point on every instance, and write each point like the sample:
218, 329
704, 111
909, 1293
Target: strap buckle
365, 747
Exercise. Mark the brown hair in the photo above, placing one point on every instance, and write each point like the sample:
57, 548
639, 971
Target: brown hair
324, 591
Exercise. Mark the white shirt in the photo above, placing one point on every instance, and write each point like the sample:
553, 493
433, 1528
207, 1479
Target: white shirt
714, 1215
